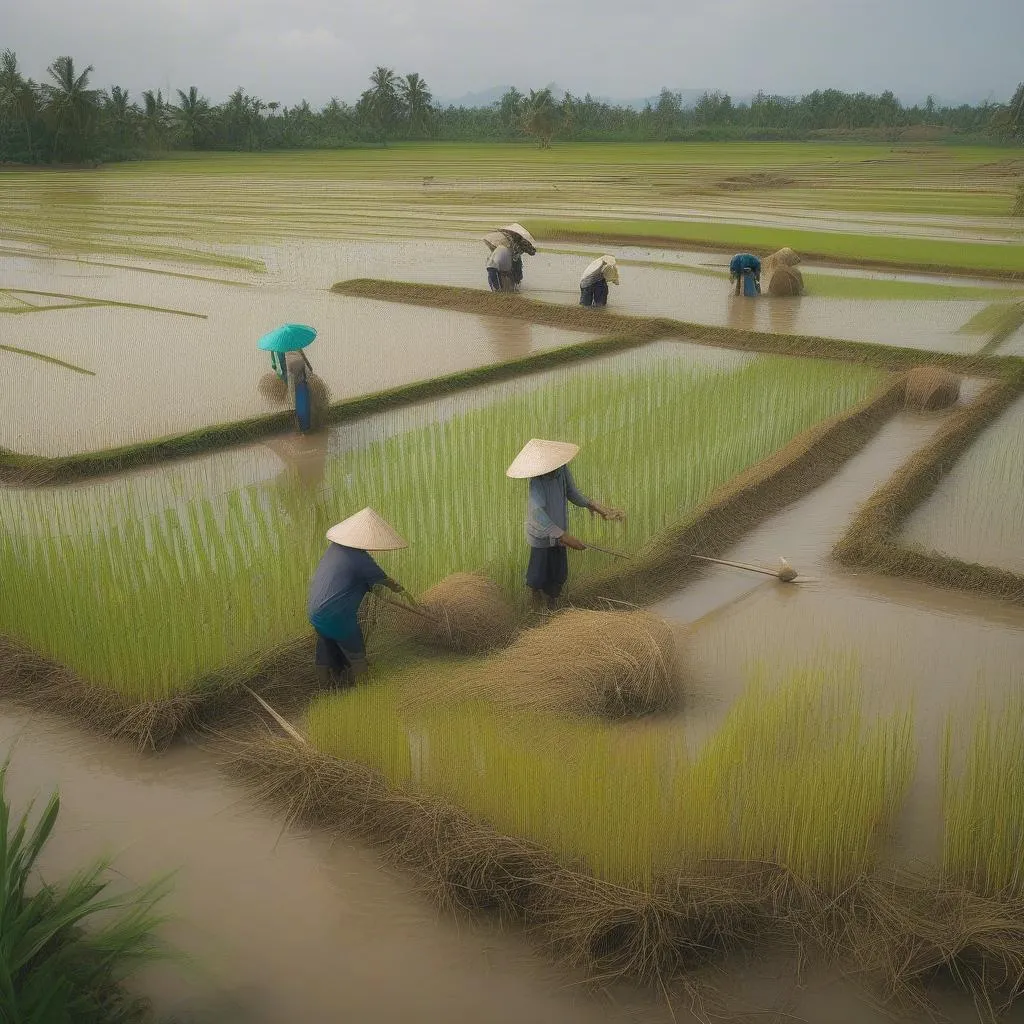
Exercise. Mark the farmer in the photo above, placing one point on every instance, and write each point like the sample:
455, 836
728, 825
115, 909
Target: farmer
345, 575
546, 465
595, 280
499, 268
745, 270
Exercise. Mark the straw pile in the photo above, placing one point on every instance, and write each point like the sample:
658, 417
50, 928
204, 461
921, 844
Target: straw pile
785, 257
579, 662
272, 387
468, 613
319, 399
785, 281
929, 388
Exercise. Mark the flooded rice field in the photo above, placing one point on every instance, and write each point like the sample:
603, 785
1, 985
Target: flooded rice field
100, 340
977, 512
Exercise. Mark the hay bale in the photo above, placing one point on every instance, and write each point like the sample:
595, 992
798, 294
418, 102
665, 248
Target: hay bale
273, 388
929, 388
785, 281
579, 662
470, 615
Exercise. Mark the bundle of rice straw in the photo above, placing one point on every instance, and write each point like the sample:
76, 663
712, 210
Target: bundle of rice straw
319, 399
785, 257
929, 388
785, 281
578, 662
273, 388
468, 614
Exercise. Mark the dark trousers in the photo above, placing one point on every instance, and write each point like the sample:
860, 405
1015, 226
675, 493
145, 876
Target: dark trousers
595, 294
547, 571
517, 271
332, 660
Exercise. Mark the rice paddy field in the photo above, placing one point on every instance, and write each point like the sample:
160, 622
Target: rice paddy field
812, 812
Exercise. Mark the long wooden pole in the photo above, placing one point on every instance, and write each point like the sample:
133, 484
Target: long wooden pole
702, 558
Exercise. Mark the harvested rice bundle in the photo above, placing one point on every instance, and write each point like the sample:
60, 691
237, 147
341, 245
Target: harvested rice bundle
785, 281
581, 662
273, 388
468, 614
929, 388
785, 257
319, 398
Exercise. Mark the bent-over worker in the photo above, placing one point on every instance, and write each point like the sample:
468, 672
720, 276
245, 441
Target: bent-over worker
546, 465
499, 269
345, 575
595, 280
745, 270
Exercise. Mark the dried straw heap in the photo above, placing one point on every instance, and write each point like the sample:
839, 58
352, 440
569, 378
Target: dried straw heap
785, 281
467, 612
929, 388
579, 662
272, 388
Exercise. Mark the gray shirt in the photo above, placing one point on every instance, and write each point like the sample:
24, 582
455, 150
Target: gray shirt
547, 514
501, 259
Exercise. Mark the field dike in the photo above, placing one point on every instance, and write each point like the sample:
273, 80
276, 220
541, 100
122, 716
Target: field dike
619, 333
872, 541
287, 674
896, 931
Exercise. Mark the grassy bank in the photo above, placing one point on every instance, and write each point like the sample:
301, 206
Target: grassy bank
885, 251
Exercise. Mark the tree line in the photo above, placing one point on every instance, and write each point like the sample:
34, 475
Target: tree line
65, 120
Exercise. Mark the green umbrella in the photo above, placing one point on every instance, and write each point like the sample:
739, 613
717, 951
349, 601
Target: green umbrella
289, 338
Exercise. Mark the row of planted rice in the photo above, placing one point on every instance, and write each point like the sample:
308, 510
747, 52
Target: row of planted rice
98, 588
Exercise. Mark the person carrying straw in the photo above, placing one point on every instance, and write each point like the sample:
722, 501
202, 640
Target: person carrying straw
345, 575
546, 465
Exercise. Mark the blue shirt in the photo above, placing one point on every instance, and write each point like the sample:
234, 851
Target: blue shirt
341, 581
547, 513
744, 261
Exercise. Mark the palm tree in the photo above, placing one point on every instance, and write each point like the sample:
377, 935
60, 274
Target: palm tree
511, 108
542, 117
192, 113
416, 99
72, 105
383, 99
154, 119
19, 105
120, 115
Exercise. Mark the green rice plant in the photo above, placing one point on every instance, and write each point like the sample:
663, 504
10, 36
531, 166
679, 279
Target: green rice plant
64, 949
151, 602
983, 813
976, 513
798, 775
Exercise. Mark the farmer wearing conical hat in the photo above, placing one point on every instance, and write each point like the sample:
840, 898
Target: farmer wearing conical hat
345, 575
505, 264
546, 465
595, 280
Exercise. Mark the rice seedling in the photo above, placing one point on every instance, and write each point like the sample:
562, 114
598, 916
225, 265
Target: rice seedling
65, 949
976, 512
151, 603
799, 776
982, 775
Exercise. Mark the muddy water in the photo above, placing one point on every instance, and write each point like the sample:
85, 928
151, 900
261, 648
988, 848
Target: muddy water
279, 926
159, 372
977, 512
937, 652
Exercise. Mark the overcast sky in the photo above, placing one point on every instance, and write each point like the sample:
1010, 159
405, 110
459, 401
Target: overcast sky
287, 50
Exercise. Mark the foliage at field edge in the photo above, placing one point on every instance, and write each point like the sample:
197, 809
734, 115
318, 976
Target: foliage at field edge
65, 119
64, 949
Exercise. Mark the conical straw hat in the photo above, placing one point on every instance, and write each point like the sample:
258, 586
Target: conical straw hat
366, 530
518, 229
494, 239
539, 457
599, 264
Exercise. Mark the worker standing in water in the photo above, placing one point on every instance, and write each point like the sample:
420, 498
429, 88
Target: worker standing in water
345, 575
745, 270
595, 280
508, 245
546, 465
499, 268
